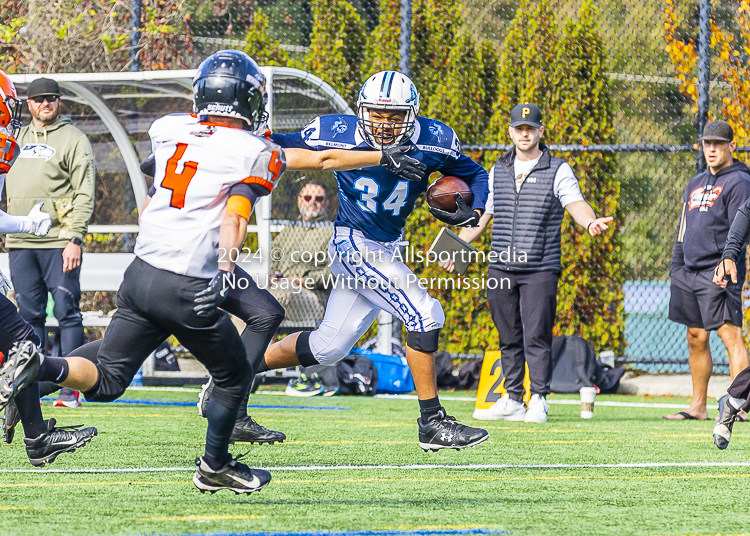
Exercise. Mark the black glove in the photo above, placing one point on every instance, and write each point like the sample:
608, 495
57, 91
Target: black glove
206, 301
463, 217
397, 161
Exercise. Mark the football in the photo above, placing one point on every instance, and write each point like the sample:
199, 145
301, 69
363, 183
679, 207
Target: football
441, 193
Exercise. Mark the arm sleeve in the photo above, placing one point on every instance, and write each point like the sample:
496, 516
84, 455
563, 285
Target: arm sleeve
566, 187
489, 208
678, 257
244, 190
473, 174
151, 191
13, 224
738, 233
82, 176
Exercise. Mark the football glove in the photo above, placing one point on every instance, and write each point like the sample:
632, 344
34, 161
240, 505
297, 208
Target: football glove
396, 161
207, 300
463, 217
37, 222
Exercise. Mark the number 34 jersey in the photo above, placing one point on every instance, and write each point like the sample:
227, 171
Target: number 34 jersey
197, 166
373, 200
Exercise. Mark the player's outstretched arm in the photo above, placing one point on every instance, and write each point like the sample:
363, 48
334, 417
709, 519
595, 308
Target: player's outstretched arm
36, 222
584, 216
396, 161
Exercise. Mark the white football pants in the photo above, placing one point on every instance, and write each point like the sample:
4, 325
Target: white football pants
368, 279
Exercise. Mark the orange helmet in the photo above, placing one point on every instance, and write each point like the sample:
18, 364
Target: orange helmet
10, 105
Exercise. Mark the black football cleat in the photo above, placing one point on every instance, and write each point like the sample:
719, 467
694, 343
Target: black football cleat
11, 418
57, 440
246, 430
729, 408
21, 369
441, 431
234, 476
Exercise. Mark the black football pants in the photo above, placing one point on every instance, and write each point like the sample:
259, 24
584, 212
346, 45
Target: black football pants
523, 308
152, 304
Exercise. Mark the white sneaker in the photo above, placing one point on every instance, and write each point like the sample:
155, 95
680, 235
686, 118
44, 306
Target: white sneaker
538, 408
504, 409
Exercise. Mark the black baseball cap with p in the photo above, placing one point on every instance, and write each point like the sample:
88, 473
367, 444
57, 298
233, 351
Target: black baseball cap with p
43, 86
526, 114
718, 131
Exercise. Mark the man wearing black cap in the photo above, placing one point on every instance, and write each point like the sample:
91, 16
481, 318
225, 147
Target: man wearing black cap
55, 164
710, 203
530, 190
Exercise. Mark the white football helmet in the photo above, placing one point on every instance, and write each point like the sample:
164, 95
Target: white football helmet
389, 91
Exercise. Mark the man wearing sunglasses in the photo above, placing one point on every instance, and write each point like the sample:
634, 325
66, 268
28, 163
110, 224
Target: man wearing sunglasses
304, 244
55, 164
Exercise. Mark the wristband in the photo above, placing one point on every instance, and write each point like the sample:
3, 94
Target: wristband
588, 227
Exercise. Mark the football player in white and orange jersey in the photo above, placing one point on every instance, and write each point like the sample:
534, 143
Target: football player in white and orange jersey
43, 437
210, 171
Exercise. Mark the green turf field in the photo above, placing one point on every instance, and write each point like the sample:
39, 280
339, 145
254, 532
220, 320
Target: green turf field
698, 500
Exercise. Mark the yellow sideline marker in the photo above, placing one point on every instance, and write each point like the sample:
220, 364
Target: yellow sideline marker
492, 384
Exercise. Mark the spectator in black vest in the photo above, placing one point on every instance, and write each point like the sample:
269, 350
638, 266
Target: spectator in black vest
530, 190
710, 204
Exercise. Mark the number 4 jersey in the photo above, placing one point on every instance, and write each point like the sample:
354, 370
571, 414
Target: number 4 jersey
373, 200
198, 166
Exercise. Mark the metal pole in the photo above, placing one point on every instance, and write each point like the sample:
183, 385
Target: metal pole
704, 72
135, 34
404, 64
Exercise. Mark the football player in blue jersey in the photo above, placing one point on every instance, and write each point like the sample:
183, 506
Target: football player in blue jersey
374, 203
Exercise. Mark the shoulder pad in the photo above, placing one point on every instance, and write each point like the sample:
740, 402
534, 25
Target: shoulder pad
268, 166
437, 137
331, 132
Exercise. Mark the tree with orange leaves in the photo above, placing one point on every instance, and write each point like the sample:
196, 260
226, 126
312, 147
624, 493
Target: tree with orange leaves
730, 70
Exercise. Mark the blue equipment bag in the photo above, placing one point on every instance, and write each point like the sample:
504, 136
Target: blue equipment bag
394, 376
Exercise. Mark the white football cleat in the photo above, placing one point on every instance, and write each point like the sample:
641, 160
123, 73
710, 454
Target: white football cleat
538, 408
505, 409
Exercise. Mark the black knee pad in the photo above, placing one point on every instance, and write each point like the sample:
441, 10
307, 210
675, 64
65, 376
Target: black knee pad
304, 354
108, 388
88, 351
426, 341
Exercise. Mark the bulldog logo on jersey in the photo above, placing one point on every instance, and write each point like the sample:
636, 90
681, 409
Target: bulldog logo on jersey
704, 197
339, 127
436, 129
37, 150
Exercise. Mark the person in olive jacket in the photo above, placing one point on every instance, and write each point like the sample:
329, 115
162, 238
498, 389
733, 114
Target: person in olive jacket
55, 164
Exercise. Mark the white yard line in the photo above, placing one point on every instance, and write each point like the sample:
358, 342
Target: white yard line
566, 402
468, 467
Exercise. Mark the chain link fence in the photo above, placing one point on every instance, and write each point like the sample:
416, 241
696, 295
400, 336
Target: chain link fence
624, 86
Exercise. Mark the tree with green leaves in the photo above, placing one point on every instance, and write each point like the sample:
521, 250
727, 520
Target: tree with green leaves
384, 42
525, 72
459, 100
337, 47
260, 46
581, 111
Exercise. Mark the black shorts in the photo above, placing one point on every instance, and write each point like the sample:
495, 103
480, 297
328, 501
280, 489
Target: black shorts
697, 302
152, 304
